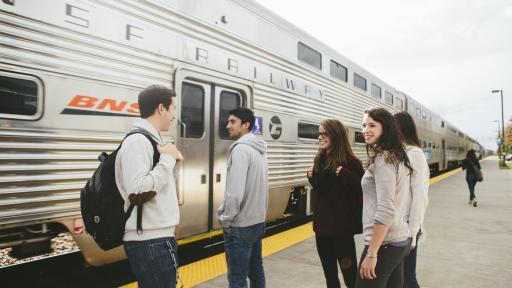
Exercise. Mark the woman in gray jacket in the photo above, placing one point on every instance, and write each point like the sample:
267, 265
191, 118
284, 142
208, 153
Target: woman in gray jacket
386, 200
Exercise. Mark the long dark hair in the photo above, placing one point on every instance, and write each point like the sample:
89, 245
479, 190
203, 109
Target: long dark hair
339, 153
407, 127
389, 143
471, 155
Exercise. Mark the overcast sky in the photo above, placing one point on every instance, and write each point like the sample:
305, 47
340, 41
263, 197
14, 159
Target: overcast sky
447, 54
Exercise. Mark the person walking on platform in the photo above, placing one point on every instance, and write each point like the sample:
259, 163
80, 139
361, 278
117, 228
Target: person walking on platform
242, 212
337, 203
418, 189
149, 234
386, 200
473, 174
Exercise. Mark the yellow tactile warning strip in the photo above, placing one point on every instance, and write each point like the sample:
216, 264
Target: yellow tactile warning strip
211, 267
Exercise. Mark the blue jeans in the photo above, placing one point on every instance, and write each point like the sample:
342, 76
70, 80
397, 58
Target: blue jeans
154, 262
243, 255
410, 270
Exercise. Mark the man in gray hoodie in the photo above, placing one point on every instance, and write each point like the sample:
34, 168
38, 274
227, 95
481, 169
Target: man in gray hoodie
242, 212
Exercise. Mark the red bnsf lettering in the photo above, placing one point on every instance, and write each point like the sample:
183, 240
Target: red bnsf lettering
112, 105
81, 101
134, 109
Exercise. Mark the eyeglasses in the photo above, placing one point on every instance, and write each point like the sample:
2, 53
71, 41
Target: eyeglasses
323, 134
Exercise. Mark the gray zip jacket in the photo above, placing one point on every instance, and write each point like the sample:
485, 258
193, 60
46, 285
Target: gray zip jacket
246, 197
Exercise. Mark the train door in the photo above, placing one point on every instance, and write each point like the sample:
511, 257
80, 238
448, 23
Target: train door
204, 142
443, 155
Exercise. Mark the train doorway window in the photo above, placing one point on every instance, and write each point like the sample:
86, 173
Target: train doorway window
20, 96
228, 101
192, 111
309, 56
399, 103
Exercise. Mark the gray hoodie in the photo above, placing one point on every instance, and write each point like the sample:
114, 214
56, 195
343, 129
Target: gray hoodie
246, 197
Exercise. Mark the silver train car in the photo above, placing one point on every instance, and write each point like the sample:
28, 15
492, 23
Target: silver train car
71, 70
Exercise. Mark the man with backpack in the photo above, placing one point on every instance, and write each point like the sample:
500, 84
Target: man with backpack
242, 212
142, 179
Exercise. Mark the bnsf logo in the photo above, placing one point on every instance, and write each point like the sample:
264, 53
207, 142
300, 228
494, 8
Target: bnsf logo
89, 105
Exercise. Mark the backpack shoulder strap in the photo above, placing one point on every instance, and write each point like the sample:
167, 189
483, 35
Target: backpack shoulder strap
156, 154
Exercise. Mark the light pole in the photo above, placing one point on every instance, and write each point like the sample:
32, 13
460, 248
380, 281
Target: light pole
502, 125
499, 146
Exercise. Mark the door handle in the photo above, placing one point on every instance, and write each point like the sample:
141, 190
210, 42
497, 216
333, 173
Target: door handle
217, 177
203, 179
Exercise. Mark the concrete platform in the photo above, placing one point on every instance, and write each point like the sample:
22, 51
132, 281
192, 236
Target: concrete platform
465, 246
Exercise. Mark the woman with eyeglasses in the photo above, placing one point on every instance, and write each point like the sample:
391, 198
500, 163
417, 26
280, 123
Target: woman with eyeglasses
386, 199
336, 201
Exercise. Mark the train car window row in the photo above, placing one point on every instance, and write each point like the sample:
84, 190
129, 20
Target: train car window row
388, 97
308, 131
338, 71
358, 137
360, 82
399, 103
376, 91
309, 56
20, 96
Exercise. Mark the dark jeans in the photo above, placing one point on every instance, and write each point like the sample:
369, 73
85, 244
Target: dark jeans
471, 179
243, 255
389, 269
410, 270
334, 251
153, 261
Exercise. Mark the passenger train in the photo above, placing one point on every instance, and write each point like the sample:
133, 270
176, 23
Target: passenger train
71, 70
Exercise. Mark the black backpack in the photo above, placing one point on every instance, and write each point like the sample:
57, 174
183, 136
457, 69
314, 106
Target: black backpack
101, 202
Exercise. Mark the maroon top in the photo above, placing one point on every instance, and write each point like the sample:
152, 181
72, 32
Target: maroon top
337, 200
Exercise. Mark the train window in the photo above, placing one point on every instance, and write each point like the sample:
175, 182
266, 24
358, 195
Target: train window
399, 103
359, 138
412, 108
228, 101
429, 145
192, 111
309, 56
388, 97
338, 71
376, 91
20, 96
359, 82
308, 131
424, 144
424, 114
418, 111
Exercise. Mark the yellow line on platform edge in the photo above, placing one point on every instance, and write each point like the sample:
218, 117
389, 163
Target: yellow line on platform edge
206, 269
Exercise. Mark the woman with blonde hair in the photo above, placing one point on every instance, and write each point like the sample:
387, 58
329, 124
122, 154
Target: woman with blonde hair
336, 201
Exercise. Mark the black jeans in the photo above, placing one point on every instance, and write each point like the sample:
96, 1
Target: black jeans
471, 179
410, 270
334, 251
389, 269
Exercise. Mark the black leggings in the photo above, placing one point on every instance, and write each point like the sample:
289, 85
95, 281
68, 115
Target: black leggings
334, 251
389, 269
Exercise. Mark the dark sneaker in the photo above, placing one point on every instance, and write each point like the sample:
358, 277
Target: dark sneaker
474, 203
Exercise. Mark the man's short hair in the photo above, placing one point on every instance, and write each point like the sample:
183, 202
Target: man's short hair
151, 97
244, 114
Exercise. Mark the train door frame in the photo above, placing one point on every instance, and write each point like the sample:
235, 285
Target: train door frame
217, 83
443, 154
